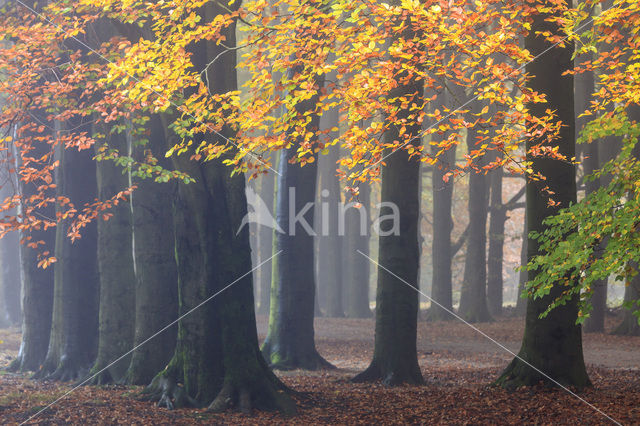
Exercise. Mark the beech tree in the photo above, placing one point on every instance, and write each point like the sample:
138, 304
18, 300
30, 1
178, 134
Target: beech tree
552, 344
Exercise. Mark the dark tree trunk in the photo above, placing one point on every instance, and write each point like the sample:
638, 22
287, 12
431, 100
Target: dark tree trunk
395, 358
74, 328
37, 284
473, 295
397, 297
116, 272
357, 225
156, 290
217, 356
441, 250
552, 344
495, 260
290, 339
330, 244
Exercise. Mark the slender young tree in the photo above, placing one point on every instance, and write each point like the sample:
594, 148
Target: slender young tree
330, 241
441, 250
357, 226
495, 259
265, 243
552, 344
473, 296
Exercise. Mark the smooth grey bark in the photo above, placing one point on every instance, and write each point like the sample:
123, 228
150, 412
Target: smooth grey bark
265, 243
630, 324
290, 337
442, 251
156, 287
10, 280
395, 358
552, 344
116, 273
330, 256
495, 259
523, 277
37, 283
356, 267
473, 295
74, 328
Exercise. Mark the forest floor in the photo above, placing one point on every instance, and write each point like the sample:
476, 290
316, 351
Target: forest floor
457, 363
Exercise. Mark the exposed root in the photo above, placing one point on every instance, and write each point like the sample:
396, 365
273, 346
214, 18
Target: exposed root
100, 379
261, 395
518, 374
168, 392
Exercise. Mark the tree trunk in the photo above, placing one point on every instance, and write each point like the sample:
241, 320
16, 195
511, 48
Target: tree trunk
521, 302
395, 357
397, 297
265, 243
116, 272
10, 281
441, 251
356, 266
156, 290
74, 329
330, 272
630, 325
473, 295
217, 356
290, 339
495, 260
584, 89
37, 283
552, 344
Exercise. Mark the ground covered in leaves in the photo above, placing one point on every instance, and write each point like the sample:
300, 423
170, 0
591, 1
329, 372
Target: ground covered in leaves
457, 363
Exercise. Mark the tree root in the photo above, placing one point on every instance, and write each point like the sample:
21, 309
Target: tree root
262, 394
518, 374
437, 314
389, 378
65, 372
313, 361
169, 393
